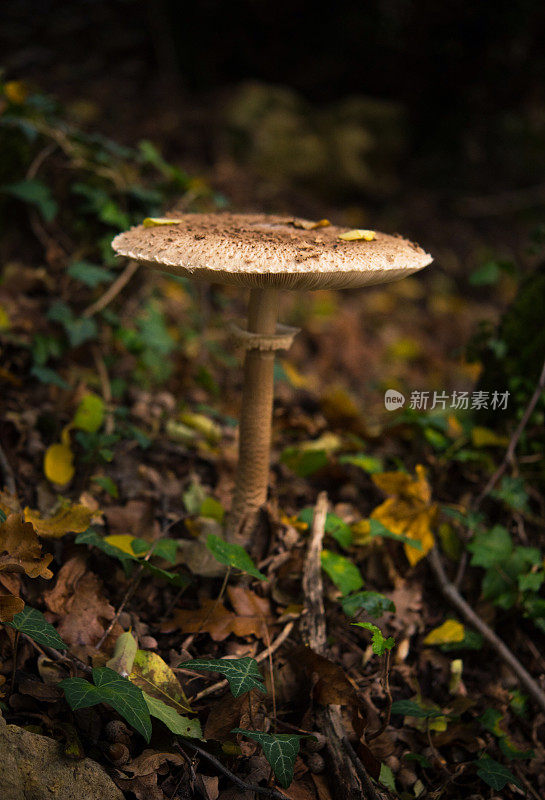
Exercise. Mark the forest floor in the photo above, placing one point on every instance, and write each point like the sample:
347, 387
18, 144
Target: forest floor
118, 449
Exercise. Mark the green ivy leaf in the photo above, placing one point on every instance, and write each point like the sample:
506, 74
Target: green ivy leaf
117, 692
495, 774
279, 749
376, 528
374, 603
90, 274
512, 493
89, 415
490, 547
233, 555
379, 643
33, 623
242, 673
334, 526
304, 462
178, 724
344, 574
411, 709
370, 464
35, 192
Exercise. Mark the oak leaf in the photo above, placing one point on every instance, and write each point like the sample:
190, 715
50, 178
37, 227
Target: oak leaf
20, 549
78, 600
409, 511
72, 519
10, 606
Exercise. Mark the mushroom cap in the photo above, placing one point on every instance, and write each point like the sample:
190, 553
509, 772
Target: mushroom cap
269, 251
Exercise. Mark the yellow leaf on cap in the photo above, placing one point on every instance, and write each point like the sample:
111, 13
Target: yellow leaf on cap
152, 222
447, 633
358, 234
72, 519
59, 464
311, 226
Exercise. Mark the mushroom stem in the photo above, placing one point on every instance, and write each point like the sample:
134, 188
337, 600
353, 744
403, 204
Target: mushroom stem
252, 476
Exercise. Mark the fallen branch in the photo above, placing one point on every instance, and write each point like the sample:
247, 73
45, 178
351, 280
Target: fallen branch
247, 787
6, 470
313, 631
452, 594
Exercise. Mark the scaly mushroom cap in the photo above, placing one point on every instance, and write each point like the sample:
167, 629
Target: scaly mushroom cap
269, 251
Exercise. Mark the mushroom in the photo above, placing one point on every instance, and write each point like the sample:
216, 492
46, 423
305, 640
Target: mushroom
265, 253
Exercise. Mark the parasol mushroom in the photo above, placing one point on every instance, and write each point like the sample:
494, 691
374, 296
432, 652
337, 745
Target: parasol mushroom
265, 253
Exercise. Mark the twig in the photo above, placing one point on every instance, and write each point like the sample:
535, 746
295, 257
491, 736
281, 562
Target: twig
313, 628
14, 667
248, 787
313, 631
452, 594
113, 290
510, 452
372, 793
106, 388
127, 596
389, 700
9, 477
216, 687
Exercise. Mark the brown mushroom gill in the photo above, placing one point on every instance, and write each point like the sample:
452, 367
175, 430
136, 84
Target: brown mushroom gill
265, 253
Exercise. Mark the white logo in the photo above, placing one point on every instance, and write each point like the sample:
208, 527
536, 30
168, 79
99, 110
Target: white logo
393, 400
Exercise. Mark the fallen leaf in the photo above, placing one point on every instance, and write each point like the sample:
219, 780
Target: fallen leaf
72, 519
153, 222
330, 684
153, 675
410, 511
358, 235
307, 225
78, 599
20, 549
10, 606
59, 464
447, 633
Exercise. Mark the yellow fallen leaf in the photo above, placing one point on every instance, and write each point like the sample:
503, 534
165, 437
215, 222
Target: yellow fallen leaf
295, 377
9, 607
447, 633
153, 222
4, 319
484, 437
358, 235
311, 226
72, 519
16, 91
59, 464
89, 415
409, 511
123, 541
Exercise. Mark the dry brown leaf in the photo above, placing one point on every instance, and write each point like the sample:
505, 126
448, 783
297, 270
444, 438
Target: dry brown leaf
252, 617
409, 511
330, 685
20, 549
9, 607
136, 518
78, 600
73, 519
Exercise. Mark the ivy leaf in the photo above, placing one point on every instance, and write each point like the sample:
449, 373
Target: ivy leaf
33, 623
374, 603
379, 643
495, 774
178, 724
154, 676
35, 192
242, 673
370, 464
490, 547
513, 493
334, 526
117, 692
90, 414
411, 709
376, 528
279, 749
344, 574
90, 274
233, 555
